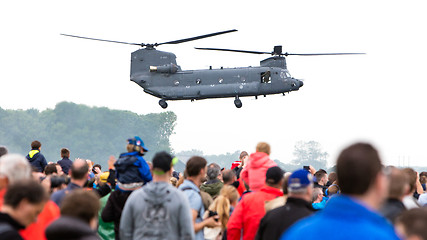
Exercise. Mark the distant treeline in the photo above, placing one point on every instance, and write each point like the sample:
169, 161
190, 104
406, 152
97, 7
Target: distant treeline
92, 133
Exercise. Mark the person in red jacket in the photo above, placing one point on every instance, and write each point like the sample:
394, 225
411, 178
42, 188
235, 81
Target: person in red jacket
254, 172
249, 211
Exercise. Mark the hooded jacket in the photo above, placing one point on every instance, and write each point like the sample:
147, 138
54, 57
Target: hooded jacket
350, 220
212, 187
254, 173
132, 168
157, 211
37, 160
248, 213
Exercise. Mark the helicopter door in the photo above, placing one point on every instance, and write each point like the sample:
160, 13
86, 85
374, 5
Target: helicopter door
266, 77
265, 86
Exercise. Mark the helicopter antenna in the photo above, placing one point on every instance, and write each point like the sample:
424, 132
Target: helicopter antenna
148, 45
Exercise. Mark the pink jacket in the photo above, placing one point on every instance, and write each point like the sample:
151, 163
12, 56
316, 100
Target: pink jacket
254, 173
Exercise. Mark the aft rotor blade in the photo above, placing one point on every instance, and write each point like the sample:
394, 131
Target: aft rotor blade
196, 38
232, 50
318, 54
138, 44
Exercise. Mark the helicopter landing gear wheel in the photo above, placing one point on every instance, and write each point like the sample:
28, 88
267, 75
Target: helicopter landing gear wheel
163, 103
237, 102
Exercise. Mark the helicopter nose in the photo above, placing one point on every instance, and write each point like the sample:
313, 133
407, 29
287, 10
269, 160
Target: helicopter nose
301, 83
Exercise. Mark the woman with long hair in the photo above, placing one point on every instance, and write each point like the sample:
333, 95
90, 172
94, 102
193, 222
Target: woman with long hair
222, 206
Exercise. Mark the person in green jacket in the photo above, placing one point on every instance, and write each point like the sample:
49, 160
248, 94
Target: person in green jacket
214, 184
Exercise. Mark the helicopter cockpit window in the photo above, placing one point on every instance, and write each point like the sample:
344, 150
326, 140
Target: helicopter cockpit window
266, 77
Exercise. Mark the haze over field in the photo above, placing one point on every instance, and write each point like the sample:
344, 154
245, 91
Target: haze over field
378, 97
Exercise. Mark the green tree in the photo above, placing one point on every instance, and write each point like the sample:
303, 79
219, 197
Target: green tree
309, 153
92, 133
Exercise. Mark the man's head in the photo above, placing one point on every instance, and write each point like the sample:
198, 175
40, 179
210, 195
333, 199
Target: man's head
196, 166
3, 150
81, 204
50, 169
79, 169
163, 163
357, 168
65, 153
321, 177
300, 185
13, 167
24, 200
35, 145
274, 177
228, 176
360, 174
214, 170
263, 147
412, 179
412, 224
399, 184
136, 144
332, 177
317, 195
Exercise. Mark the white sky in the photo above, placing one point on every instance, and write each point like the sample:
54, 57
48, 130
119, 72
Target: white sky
378, 97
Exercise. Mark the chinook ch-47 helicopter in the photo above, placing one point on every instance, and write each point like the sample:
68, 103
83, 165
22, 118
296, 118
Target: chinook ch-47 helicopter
159, 75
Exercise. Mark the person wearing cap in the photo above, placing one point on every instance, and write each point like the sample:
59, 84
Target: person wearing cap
298, 206
249, 211
158, 210
132, 171
353, 214
105, 229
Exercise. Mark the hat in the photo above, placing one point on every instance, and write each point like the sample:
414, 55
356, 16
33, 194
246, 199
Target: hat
163, 162
300, 179
137, 141
104, 176
274, 175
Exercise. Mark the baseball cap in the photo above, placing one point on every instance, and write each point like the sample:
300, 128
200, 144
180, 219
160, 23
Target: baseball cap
274, 175
300, 179
163, 162
137, 141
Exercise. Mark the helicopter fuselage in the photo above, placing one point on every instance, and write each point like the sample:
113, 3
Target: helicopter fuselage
159, 75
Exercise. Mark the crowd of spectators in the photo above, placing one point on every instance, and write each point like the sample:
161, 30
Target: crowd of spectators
139, 198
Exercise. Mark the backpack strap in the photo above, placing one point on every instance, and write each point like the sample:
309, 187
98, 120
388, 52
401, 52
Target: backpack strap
190, 188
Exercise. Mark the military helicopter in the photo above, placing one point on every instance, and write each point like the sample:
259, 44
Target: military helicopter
158, 73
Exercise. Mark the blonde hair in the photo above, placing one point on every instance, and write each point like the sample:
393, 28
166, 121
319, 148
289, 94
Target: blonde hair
222, 203
263, 147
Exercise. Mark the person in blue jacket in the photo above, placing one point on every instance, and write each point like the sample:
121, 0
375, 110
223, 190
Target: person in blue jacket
353, 214
132, 171
36, 159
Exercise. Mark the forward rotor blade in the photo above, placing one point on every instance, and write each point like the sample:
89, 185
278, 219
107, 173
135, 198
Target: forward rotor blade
196, 38
138, 44
232, 50
318, 54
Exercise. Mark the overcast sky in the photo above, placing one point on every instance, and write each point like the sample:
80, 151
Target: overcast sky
378, 97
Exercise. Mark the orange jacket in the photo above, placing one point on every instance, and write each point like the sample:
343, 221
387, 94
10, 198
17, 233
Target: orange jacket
249, 212
36, 230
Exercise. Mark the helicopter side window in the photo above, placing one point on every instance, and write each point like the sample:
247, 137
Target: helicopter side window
266, 77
